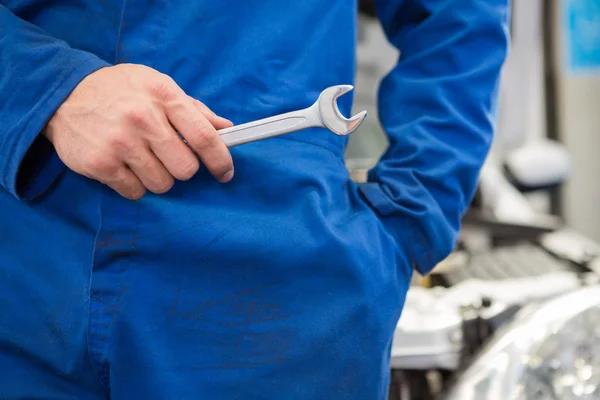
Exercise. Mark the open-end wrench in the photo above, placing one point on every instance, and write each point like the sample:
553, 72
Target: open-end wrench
323, 113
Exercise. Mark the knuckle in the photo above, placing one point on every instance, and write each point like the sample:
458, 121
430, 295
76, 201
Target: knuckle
129, 188
163, 88
198, 104
162, 139
119, 143
163, 186
104, 165
167, 79
206, 136
187, 171
136, 193
137, 116
178, 106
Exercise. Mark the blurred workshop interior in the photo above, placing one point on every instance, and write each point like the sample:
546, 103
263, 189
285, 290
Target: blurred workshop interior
503, 317
550, 90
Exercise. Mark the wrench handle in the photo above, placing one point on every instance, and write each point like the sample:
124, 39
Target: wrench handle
268, 127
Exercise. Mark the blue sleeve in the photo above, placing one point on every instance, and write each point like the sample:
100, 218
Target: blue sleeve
438, 108
38, 72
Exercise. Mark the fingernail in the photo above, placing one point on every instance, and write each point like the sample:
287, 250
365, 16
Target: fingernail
227, 177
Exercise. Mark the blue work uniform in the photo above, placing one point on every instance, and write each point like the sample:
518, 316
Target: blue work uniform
286, 283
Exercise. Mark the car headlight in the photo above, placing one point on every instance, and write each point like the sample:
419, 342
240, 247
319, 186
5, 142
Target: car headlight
549, 351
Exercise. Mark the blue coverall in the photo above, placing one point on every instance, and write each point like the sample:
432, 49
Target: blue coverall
285, 283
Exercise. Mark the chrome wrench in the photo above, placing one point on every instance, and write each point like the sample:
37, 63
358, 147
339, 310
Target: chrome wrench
323, 113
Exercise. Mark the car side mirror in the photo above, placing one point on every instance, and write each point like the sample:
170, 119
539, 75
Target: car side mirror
541, 164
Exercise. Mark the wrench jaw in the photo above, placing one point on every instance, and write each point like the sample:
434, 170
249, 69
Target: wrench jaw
330, 113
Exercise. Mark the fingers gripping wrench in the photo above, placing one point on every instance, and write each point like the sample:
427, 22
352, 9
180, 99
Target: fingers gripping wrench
323, 113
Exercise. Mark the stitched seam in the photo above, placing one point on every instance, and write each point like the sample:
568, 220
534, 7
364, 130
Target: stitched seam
118, 43
92, 356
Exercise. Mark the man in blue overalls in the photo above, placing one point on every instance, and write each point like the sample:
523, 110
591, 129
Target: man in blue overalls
135, 267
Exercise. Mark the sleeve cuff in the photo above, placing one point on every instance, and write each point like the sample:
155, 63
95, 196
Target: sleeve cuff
34, 165
40, 168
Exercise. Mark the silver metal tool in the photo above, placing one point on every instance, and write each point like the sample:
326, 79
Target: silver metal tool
323, 113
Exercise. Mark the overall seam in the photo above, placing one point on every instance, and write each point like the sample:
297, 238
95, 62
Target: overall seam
120, 31
92, 300
93, 347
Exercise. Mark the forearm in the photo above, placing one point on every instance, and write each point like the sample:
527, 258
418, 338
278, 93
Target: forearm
38, 73
438, 107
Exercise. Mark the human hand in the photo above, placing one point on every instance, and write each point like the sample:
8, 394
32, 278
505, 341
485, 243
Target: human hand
119, 127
